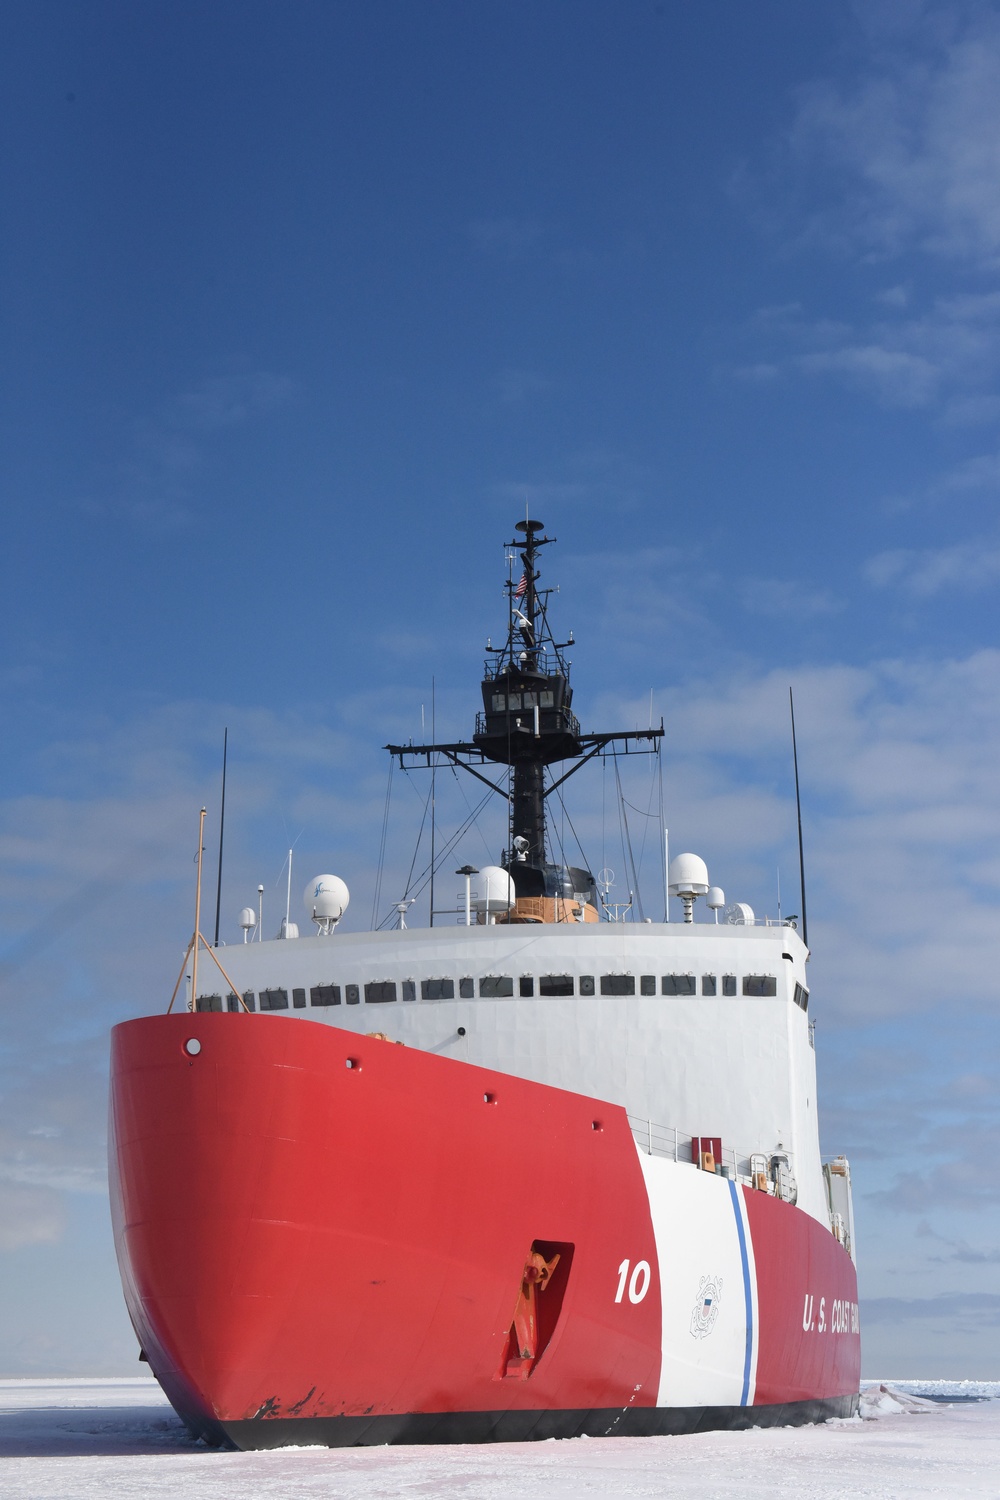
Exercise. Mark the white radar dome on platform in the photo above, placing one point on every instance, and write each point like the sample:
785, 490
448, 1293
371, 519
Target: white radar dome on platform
326, 899
740, 915
715, 898
687, 876
494, 890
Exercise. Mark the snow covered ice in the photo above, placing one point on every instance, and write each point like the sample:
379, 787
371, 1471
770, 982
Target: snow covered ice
71, 1439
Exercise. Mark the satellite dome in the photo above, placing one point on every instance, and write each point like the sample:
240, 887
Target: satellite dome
248, 918
715, 898
687, 876
740, 915
326, 899
495, 890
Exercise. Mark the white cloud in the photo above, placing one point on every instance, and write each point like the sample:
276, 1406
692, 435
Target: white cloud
922, 573
919, 141
897, 378
787, 599
228, 400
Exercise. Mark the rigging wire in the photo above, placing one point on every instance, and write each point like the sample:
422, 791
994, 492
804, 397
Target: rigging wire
423, 879
461, 787
420, 834
569, 820
381, 848
647, 815
626, 837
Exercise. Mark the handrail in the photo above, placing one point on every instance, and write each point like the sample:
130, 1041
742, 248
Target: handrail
675, 1145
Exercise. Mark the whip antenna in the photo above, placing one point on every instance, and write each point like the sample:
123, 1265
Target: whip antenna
222, 829
798, 813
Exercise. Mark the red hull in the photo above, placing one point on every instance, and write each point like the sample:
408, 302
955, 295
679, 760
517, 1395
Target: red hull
342, 1247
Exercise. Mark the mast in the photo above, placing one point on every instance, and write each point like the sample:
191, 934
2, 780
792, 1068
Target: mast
527, 723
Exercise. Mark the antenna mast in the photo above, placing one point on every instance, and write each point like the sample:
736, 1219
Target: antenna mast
798, 813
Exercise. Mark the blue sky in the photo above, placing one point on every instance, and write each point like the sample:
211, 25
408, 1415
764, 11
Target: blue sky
302, 304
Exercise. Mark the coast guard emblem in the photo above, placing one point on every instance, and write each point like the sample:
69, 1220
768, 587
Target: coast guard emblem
706, 1309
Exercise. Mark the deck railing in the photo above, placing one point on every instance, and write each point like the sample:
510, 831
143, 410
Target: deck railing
676, 1145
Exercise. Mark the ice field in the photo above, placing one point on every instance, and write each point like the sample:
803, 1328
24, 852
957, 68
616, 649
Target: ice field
72, 1439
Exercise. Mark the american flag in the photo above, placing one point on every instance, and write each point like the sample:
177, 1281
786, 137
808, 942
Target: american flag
522, 587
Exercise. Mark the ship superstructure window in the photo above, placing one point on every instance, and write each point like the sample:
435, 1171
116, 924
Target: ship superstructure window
526, 986
324, 994
437, 989
617, 984
233, 1001
299, 999
495, 987
380, 991
499, 703
586, 984
647, 984
409, 989
555, 984
729, 984
801, 997
546, 699
352, 994
208, 1002
708, 984
466, 989
678, 984
274, 999
760, 984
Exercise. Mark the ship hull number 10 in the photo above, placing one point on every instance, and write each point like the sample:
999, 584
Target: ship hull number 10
638, 1282
842, 1316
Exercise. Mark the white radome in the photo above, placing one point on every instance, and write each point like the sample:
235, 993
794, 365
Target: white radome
494, 890
740, 915
326, 898
687, 876
248, 918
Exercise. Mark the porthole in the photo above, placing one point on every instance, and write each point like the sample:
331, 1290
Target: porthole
192, 1046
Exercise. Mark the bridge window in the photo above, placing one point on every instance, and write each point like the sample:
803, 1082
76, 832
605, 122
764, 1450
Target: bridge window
233, 1001
324, 994
708, 984
466, 989
208, 1002
274, 999
496, 987
586, 984
526, 986
801, 997
437, 989
352, 994
647, 984
299, 999
729, 984
409, 989
760, 984
546, 699
617, 984
499, 703
379, 991
513, 700
678, 984
555, 984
